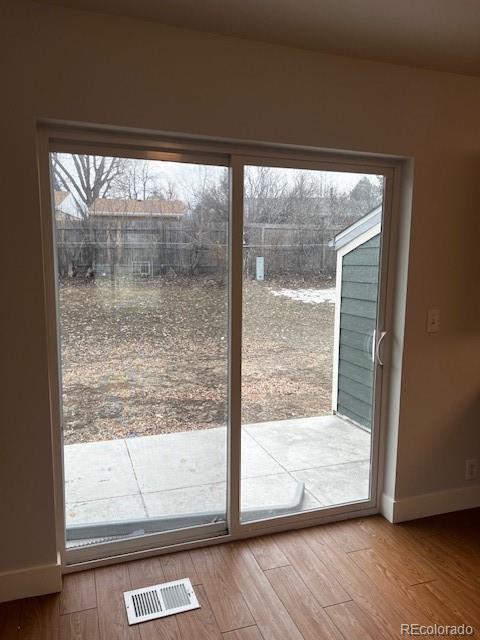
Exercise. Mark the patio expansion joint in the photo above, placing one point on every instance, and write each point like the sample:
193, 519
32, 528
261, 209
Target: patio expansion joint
136, 479
209, 484
188, 486
334, 464
321, 503
270, 454
80, 502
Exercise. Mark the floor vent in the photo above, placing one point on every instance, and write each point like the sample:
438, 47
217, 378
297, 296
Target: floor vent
160, 600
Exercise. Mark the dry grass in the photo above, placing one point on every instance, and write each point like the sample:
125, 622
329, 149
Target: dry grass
142, 358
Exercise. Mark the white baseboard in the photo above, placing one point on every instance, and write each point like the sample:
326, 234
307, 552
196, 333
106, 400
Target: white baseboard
387, 506
430, 504
33, 581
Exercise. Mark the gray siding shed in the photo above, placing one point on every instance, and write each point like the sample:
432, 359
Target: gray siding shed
358, 313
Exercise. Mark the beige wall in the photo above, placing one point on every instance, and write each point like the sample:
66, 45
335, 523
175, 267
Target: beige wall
97, 69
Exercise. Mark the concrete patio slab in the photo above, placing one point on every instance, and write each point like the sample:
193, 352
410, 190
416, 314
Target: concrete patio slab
106, 510
311, 442
98, 470
176, 460
261, 492
338, 483
269, 491
205, 497
182, 473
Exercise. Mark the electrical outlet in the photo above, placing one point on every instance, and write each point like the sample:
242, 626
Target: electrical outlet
471, 468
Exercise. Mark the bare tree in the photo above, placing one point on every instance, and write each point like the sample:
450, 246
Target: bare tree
264, 189
205, 227
135, 181
170, 191
86, 177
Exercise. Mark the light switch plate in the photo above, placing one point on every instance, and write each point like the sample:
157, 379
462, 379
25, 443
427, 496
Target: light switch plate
433, 320
471, 469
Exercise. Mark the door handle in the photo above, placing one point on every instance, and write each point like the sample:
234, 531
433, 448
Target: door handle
377, 349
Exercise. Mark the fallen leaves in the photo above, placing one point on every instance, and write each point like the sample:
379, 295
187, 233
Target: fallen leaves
149, 357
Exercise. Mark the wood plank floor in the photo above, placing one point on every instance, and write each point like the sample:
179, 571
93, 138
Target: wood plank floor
355, 580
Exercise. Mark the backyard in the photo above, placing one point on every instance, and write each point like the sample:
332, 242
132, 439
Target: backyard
147, 357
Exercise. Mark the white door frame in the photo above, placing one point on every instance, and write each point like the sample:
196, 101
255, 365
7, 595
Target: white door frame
236, 155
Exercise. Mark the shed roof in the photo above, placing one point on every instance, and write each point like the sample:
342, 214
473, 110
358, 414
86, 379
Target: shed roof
357, 228
137, 208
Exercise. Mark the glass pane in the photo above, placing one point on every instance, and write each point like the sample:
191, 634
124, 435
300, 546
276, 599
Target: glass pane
310, 287
142, 282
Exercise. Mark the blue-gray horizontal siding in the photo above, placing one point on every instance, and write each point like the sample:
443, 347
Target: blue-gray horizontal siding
358, 315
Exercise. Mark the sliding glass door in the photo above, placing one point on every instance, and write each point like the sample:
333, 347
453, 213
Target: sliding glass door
220, 333
310, 306
142, 267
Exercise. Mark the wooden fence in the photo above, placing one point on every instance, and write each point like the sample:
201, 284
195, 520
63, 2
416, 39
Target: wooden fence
155, 247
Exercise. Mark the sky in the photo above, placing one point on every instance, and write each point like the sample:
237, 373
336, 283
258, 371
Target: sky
181, 174
186, 178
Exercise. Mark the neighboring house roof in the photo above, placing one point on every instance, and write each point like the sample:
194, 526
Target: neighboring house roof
138, 208
358, 228
65, 205
59, 197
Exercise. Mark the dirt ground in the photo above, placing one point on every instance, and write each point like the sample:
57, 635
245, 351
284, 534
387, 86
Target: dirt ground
143, 358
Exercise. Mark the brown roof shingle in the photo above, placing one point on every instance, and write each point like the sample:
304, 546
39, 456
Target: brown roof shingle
126, 207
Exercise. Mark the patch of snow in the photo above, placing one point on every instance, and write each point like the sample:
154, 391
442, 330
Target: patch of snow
310, 296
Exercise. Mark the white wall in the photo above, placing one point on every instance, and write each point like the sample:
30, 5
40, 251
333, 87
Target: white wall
74, 66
